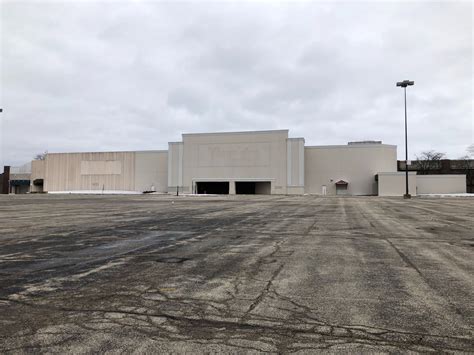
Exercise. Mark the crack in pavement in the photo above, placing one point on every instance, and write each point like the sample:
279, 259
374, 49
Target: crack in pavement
353, 332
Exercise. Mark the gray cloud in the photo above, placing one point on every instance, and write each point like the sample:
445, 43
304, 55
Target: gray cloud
194, 101
134, 75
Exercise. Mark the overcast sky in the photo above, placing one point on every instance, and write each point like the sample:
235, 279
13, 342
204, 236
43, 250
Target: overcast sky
109, 75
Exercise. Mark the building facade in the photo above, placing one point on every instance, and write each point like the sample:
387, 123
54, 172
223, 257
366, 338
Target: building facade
444, 167
253, 162
259, 162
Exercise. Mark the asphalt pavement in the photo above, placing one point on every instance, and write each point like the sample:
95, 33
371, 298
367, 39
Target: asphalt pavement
235, 274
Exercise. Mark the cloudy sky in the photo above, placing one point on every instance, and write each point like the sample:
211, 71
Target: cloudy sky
110, 75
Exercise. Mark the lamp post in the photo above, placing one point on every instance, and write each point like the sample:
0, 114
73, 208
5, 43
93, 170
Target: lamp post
404, 85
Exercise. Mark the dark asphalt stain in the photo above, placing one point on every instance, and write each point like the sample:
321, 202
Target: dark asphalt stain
172, 260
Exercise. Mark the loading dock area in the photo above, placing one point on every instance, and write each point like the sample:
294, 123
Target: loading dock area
232, 187
212, 187
341, 187
253, 187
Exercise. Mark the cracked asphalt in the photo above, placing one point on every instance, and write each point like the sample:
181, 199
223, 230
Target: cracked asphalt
235, 274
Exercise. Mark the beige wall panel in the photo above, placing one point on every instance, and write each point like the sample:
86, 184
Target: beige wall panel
440, 184
68, 172
37, 169
233, 156
356, 164
175, 165
295, 163
151, 170
37, 172
55, 172
107, 167
394, 183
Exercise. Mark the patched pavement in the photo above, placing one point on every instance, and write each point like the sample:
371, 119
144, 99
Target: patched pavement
235, 274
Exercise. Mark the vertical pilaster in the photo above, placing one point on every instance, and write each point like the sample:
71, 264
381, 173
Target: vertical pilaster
232, 187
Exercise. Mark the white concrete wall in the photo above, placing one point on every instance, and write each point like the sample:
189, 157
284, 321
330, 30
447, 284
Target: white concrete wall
394, 183
356, 164
440, 184
236, 156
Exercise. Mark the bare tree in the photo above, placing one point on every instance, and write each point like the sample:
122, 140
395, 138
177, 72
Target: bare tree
470, 151
40, 156
466, 164
428, 160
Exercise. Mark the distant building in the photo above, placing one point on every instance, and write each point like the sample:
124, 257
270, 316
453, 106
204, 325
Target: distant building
259, 162
443, 167
16, 180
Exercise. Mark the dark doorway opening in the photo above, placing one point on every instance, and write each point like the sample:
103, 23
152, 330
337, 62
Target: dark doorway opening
213, 187
245, 188
341, 187
38, 185
252, 188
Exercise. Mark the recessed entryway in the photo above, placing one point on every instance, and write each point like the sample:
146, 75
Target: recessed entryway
212, 187
253, 187
341, 187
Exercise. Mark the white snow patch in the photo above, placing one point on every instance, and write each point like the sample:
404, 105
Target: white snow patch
448, 195
98, 192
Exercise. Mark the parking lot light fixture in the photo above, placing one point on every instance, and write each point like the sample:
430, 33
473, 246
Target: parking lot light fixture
404, 85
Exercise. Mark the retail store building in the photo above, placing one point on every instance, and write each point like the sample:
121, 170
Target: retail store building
259, 162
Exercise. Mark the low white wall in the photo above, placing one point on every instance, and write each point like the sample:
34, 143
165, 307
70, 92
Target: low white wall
393, 183
440, 184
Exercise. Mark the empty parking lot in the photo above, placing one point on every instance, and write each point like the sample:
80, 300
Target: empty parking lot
151, 273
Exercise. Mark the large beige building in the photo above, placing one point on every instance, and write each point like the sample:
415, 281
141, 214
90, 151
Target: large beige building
260, 162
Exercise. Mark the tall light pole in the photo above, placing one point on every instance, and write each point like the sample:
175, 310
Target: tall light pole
404, 85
